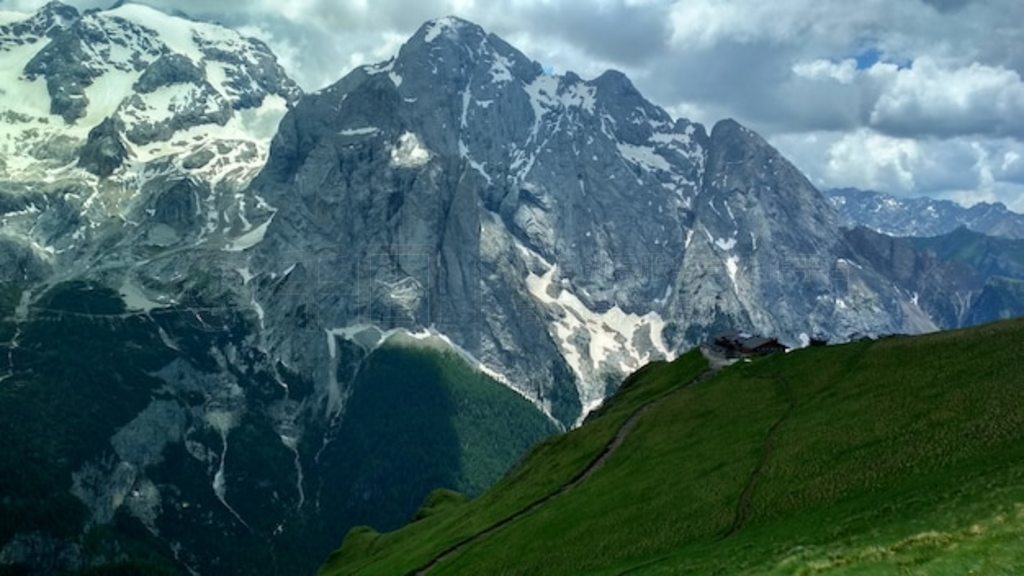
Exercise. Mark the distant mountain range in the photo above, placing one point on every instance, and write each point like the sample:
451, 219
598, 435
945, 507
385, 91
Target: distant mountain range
237, 320
898, 216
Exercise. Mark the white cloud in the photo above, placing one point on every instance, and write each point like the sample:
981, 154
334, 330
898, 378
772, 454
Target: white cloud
869, 160
1014, 201
927, 98
1011, 160
930, 98
1011, 196
844, 72
963, 169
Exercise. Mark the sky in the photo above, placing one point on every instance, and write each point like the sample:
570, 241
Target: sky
910, 97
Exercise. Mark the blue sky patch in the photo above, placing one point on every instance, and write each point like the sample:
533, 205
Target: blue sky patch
871, 55
867, 58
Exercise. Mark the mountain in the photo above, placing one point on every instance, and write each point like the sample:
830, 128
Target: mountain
147, 428
959, 279
127, 133
239, 320
561, 231
868, 458
922, 216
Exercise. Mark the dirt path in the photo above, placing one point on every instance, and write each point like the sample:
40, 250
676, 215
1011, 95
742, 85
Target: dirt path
582, 476
767, 448
743, 506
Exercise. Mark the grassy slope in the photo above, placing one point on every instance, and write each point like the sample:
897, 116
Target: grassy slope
550, 464
421, 418
904, 456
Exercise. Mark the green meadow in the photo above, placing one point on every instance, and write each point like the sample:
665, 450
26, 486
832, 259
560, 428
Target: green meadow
898, 456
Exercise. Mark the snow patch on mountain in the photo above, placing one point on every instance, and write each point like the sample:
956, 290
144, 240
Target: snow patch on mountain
237, 92
448, 26
10, 17
365, 131
250, 238
725, 243
555, 93
176, 33
645, 156
501, 72
410, 152
732, 266
596, 344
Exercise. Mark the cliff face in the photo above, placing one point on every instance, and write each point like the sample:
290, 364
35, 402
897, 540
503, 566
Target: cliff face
563, 232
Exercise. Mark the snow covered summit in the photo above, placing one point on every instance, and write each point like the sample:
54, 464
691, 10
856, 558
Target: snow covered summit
170, 87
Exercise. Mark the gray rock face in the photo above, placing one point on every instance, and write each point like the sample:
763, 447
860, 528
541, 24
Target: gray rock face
49, 19
959, 279
19, 264
432, 187
104, 151
80, 53
202, 106
66, 76
561, 231
765, 254
177, 205
168, 70
922, 216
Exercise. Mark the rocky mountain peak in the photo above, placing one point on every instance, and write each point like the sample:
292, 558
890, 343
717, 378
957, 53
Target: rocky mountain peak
160, 75
739, 142
100, 108
56, 14
758, 187
21, 30
615, 84
453, 50
448, 29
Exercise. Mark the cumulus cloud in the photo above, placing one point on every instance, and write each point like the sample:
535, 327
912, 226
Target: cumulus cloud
932, 99
874, 161
926, 98
967, 170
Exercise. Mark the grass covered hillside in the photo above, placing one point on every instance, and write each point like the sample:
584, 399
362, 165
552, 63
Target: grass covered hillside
419, 417
900, 456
